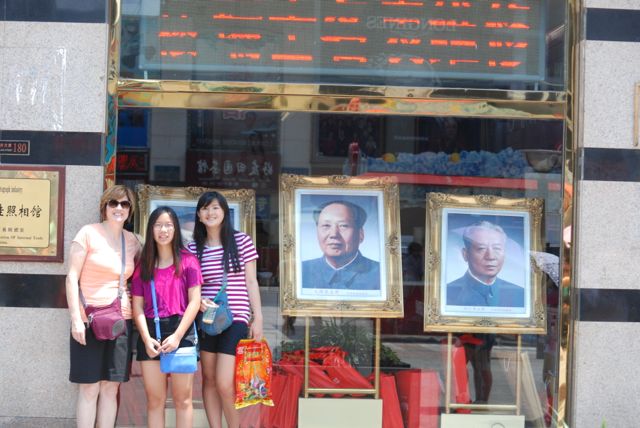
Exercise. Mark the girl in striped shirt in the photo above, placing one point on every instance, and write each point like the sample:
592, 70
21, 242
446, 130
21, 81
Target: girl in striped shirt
218, 245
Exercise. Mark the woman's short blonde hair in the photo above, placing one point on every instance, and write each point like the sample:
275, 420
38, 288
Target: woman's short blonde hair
116, 192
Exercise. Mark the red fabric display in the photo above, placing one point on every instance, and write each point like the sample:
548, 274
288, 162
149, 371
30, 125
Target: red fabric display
317, 376
391, 414
459, 376
419, 392
343, 374
327, 369
286, 388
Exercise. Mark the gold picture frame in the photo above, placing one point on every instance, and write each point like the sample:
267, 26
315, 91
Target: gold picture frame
459, 229
242, 206
370, 284
32, 213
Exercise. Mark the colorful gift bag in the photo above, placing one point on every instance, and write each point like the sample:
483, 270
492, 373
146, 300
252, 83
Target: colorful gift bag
253, 373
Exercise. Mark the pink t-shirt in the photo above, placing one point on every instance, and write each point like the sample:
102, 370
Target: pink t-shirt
236, 282
100, 276
172, 292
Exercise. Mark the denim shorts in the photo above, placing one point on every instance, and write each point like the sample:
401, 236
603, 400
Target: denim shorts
225, 342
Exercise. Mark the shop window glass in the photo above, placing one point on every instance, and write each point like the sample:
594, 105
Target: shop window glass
509, 158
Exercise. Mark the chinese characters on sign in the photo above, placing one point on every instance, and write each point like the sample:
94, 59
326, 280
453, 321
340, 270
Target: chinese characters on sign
133, 162
15, 147
31, 207
22, 219
232, 170
452, 39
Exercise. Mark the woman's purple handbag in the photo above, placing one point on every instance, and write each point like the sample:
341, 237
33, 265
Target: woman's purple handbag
107, 322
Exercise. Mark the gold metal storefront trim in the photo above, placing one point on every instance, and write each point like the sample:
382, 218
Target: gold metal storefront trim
342, 99
113, 71
569, 207
380, 100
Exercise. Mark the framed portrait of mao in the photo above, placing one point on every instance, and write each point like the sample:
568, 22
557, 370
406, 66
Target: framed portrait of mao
480, 274
340, 253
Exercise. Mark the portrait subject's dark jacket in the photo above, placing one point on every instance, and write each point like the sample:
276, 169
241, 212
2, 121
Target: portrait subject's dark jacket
361, 274
467, 291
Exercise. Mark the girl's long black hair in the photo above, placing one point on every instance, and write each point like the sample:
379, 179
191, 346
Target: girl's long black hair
230, 259
149, 255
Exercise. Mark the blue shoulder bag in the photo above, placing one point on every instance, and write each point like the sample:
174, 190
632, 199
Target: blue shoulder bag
217, 320
182, 360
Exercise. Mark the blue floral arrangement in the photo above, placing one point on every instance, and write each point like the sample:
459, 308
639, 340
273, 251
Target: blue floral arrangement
507, 163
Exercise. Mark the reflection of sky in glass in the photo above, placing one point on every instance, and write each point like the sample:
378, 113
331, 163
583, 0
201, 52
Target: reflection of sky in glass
514, 269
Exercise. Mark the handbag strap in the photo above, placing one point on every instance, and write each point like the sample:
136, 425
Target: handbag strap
120, 283
156, 317
224, 285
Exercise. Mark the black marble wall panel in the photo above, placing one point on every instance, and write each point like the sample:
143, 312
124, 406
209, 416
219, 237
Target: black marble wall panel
86, 11
613, 25
56, 148
32, 291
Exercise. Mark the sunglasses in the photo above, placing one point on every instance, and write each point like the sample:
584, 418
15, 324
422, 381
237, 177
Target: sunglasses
114, 204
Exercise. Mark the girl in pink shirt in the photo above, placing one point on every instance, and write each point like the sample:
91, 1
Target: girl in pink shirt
177, 279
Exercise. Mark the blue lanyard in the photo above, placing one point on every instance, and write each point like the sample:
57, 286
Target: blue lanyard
156, 318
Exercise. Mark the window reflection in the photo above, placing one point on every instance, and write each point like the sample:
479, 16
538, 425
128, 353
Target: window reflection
250, 149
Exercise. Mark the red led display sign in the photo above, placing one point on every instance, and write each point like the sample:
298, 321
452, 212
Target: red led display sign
501, 39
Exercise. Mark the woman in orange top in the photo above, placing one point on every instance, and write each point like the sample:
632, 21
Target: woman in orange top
95, 264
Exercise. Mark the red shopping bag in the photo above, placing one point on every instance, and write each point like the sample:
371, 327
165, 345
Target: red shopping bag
343, 374
419, 392
391, 415
250, 416
318, 378
278, 386
460, 378
284, 413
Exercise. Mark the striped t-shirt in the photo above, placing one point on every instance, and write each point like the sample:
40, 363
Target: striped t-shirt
211, 266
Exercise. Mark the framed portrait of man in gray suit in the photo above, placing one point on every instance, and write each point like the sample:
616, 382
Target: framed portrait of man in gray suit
480, 276
344, 259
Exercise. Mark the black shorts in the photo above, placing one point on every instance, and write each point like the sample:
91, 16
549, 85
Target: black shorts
101, 359
225, 342
167, 326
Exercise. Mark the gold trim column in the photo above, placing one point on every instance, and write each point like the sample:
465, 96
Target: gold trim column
113, 72
569, 205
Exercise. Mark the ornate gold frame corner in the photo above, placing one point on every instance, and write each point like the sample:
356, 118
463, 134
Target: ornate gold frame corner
391, 306
435, 320
243, 199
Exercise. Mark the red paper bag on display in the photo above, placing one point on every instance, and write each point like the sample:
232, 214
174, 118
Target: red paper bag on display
250, 416
284, 414
419, 392
317, 376
391, 414
278, 384
460, 379
343, 374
